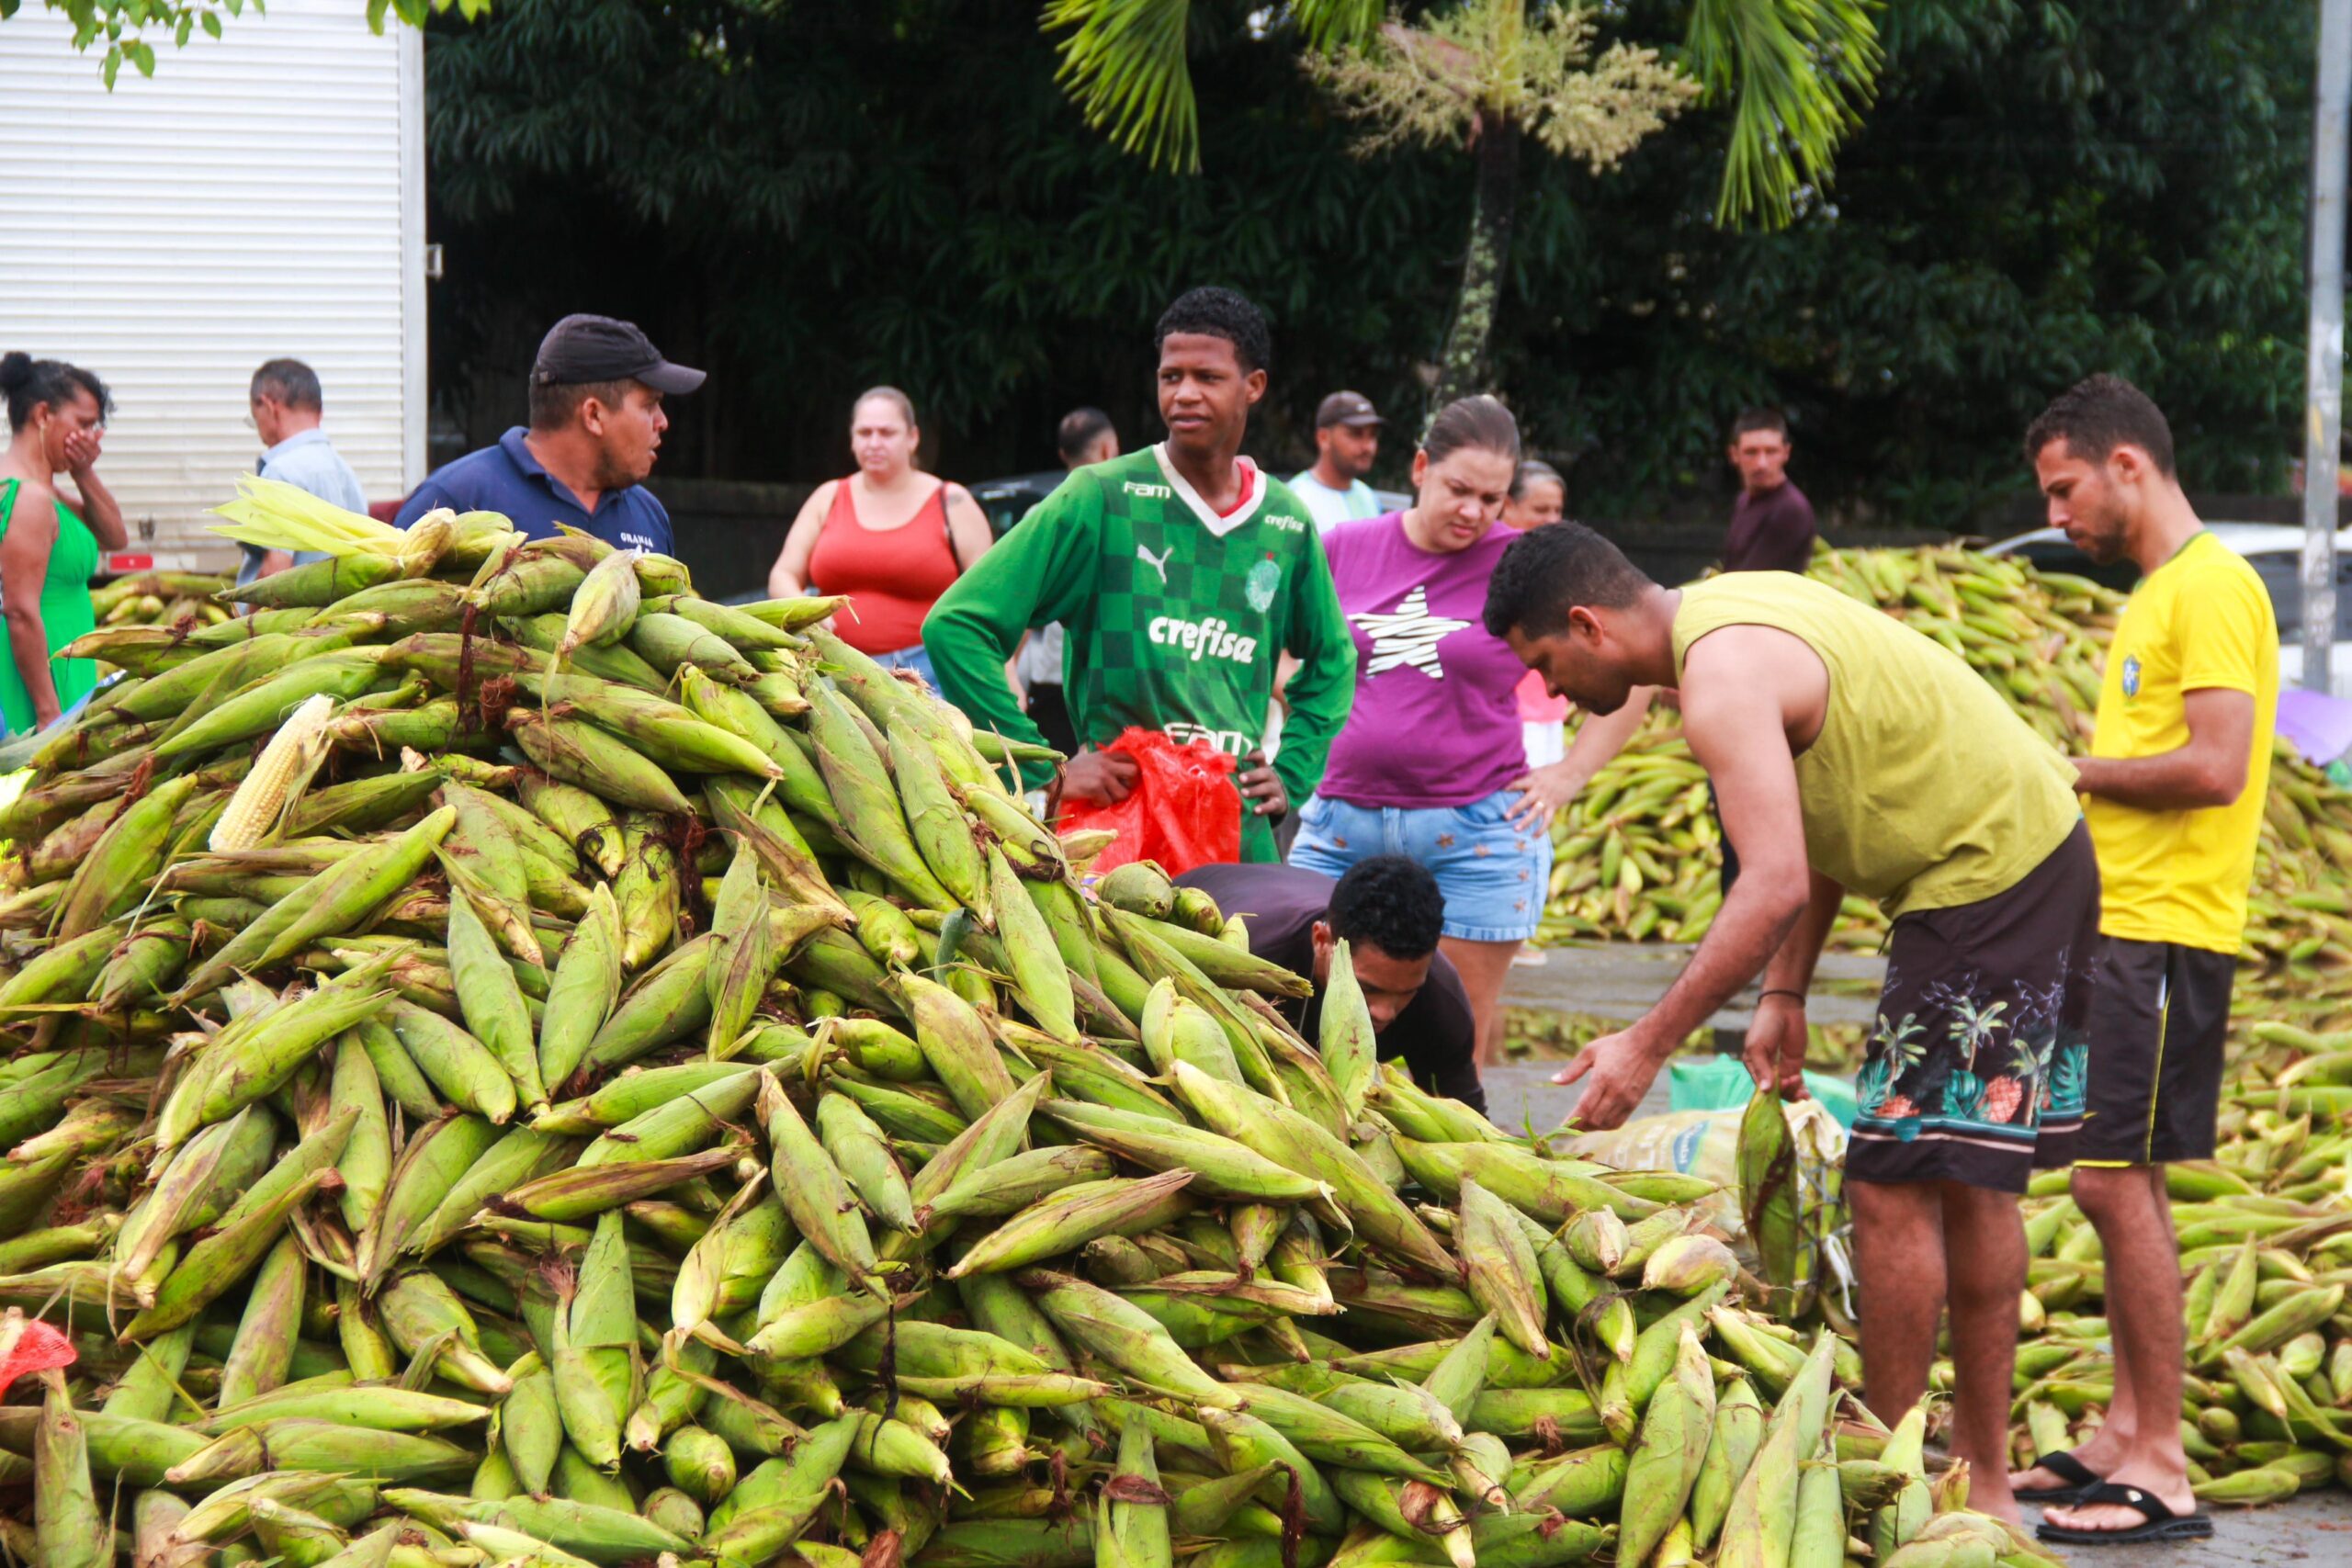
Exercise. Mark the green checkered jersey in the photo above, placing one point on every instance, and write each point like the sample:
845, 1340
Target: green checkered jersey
1175, 619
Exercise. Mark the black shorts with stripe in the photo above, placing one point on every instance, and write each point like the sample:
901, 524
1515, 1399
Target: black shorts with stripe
2157, 1027
1975, 1071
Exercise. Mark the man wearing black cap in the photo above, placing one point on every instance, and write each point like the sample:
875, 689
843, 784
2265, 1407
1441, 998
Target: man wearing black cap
1347, 438
596, 423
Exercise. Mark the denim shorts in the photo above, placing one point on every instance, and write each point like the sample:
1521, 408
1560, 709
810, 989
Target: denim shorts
914, 659
1495, 877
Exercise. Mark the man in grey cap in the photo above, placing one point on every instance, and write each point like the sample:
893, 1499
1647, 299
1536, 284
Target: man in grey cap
596, 423
1347, 438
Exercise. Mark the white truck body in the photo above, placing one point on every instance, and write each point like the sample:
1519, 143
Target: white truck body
262, 195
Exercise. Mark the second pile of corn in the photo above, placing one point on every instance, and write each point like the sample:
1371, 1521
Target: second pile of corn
513, 1063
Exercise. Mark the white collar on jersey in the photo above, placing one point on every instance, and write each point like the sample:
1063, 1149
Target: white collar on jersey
1218, 528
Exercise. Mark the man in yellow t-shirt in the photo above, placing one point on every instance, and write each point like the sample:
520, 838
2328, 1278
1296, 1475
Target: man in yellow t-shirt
2175, 785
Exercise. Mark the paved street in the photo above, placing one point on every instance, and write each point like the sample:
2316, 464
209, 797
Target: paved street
2315, 1528
1621, 982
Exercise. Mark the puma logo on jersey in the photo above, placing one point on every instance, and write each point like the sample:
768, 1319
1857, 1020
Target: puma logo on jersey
1150, 492
1158, 563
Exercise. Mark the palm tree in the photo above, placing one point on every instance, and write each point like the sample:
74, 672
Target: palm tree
1482, 76
1483, 73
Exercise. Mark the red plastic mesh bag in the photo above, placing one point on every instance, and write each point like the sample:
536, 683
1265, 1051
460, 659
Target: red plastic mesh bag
1184, 810
30, 1345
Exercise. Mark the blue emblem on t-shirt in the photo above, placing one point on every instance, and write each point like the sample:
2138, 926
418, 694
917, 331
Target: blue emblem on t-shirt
2130, 675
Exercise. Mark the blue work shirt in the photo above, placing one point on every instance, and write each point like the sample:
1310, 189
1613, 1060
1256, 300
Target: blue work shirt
508, 480
307, 460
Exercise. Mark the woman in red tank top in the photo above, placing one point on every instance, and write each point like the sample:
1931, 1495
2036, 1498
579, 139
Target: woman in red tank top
889, 537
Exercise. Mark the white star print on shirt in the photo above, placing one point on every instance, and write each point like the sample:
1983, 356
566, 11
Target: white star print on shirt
1407, 634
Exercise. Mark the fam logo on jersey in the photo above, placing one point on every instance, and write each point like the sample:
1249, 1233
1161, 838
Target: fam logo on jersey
2130, 675
1212, 639
1260, 585
1407, 636
1232, 742
1150, 492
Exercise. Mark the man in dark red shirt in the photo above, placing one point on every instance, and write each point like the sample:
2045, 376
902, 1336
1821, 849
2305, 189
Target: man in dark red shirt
1771, 525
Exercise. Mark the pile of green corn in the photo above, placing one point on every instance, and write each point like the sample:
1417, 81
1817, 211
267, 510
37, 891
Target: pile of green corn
162, 600
514, 1064
2266, 1239
1638, 855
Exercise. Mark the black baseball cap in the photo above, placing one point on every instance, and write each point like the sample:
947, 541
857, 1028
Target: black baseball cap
579, 349
1346, 408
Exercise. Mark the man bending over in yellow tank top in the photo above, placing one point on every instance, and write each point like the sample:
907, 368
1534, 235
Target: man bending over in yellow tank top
1854, 754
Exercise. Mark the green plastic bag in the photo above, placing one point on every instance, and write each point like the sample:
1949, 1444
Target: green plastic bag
1720, 1082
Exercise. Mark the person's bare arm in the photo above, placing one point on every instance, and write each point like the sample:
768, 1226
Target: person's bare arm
1285, 666
1792, 967
274, 561
1776, 1035
968, 534
1743, 686
788, 579
95, 506
24, 564
2207, 770
1599, 740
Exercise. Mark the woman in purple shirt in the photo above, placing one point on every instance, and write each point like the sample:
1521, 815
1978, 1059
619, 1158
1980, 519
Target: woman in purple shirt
1431, 762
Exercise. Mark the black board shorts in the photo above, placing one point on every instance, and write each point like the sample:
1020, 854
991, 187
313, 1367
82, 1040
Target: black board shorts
1976, 1070
2157, 1030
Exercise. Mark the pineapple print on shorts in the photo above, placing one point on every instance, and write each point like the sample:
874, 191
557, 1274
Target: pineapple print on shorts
1894, 1050
1988, 1088
1974, 1073
1960, 1060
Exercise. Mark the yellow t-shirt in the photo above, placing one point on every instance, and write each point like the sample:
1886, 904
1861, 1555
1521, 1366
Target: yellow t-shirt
1922, 790
2200, 622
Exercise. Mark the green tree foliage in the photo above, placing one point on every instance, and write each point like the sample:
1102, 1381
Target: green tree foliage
2040, 191
1126, 63
132, 29
1479, 76
1794, 71
817, 195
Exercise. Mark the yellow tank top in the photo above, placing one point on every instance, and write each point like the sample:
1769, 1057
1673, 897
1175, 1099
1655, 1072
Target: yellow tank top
1923, 790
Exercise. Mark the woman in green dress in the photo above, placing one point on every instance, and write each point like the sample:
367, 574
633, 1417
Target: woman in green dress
49, 545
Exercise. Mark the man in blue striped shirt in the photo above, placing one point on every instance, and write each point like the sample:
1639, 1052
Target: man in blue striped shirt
288, 405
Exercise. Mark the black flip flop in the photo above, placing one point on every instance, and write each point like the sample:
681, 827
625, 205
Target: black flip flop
2158, 1522
2064, 1464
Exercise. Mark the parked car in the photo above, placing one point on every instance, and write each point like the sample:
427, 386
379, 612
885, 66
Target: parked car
1008, 500
2274, 550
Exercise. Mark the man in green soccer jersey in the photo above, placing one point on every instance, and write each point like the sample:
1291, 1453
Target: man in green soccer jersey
1181, 573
